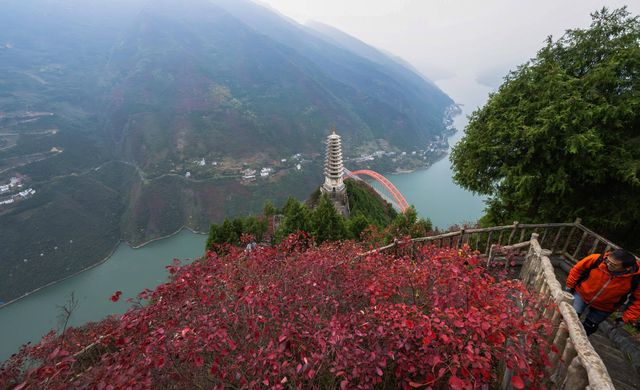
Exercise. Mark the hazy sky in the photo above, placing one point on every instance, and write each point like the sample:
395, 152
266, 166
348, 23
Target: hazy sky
471, 37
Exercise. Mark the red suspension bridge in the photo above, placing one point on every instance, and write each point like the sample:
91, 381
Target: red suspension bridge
401, 202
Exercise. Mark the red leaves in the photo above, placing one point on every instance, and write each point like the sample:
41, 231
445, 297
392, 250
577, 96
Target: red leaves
297, 315
426, 340
497, 338
517, 382
116, 296
159, 362
198, 361
456, 383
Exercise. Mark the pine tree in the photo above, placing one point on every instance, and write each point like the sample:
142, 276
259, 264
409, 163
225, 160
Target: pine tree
560, 139
228, 233
214, 236
327, 224
357, 224
296, 216
268, 209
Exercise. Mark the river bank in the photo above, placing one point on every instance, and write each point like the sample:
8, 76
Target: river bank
128, 270
115, 247
167, 236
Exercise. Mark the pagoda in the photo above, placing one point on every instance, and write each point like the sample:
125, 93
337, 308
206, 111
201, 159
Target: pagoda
333, 171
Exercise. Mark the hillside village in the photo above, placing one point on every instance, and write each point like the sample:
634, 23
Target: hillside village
252, 171
10, 192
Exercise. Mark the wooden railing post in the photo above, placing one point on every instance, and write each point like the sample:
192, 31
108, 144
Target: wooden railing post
522, 232
584, 237
490, 256
544, 235
576, 375
513, 232
573, 230
596, 242
461, 239
486, 249
525, 271
560, 341
567, 356
556, 238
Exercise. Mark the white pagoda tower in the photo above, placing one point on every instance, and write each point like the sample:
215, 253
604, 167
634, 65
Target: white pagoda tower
333, 167
333, 185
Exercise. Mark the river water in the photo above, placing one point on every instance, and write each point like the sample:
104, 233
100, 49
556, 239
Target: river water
435, 195
132, 270
127, 270
431, 190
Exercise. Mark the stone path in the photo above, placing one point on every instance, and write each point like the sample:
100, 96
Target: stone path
618, 363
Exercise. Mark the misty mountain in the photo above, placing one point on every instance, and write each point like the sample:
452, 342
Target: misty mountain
108, 107
396, 65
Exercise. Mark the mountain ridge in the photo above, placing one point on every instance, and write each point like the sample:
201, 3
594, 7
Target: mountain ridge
190, 95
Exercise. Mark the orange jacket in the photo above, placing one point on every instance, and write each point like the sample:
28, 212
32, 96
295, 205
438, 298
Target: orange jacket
615, 287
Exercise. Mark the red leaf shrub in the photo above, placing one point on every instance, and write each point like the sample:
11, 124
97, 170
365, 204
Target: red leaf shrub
294, 317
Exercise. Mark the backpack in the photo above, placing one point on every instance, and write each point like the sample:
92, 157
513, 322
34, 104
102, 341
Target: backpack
635, 280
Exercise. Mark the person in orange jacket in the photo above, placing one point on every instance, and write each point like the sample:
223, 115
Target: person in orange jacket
603, 283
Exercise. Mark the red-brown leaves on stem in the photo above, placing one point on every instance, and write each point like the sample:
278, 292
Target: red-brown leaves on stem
116, 296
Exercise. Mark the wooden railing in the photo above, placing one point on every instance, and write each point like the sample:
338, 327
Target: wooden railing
570, 240
576, 365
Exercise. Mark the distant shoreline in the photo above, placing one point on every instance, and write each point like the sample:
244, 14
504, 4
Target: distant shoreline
423, 168
2, 306
167, 236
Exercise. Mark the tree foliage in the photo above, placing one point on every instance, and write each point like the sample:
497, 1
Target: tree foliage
372, 219
296, 216
327, 223
560, 139
363, 199
232, 230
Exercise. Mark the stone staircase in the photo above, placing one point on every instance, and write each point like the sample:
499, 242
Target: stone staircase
619, 365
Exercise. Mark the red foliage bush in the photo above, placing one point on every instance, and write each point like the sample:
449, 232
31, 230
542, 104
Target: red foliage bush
292, 317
